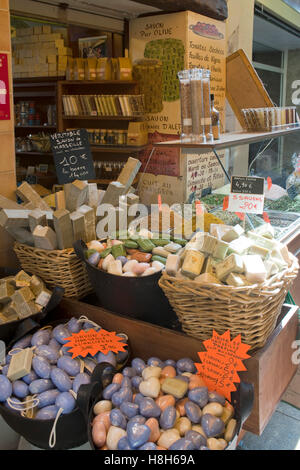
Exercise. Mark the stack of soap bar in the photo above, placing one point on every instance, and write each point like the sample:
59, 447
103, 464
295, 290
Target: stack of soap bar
262, 241
6, 291
255, 270
219, 230
233, 233
232, 264
192, 264
173, 264
240, 245
22, 279
43, 297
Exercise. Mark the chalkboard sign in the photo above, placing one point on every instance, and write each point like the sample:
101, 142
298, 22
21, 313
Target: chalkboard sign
247, 185
72, 156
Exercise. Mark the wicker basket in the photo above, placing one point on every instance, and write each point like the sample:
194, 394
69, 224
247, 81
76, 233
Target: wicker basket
251, 311
60, 268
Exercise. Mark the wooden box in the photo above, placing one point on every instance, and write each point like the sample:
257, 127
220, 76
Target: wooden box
270, 369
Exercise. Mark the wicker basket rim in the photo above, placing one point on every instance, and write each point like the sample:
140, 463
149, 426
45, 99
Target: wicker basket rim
292, 270
67, 251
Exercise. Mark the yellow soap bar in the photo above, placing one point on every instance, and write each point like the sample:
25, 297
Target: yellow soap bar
192, 264
207, 278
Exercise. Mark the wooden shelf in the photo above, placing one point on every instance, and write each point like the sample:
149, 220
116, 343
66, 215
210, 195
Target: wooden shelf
116, 149
229, 140
32, 153
103, 118
98, 82
36, 127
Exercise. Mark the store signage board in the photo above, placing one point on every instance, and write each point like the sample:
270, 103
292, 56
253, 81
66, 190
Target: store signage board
246, 195
92, 341
4, 89
72, 156
221, 362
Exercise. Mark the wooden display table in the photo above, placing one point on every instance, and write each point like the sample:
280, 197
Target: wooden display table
270, 369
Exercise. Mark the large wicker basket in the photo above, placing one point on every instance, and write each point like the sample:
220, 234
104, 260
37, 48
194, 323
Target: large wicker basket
251, 311
60, 268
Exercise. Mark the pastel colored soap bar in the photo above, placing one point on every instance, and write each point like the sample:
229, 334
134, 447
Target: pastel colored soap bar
173, 264
258, 250
237, 280
221, 249
262, 241
192, 264
232, 264
255, 270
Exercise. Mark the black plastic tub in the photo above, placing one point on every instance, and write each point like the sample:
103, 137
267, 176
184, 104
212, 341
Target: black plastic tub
140, 298
242, 401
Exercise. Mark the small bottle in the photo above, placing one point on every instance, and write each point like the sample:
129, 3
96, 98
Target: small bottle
215, 118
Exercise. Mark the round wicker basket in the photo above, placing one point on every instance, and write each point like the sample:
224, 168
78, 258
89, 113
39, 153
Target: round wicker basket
251, 311
57, 268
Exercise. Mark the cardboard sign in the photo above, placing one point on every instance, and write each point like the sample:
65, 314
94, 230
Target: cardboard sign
72, 156
221, 361
4, 89
92, 342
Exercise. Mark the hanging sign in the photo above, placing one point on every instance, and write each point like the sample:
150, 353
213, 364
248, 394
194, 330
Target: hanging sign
4, 89
72, 156
92, 342
247, 195
221, 361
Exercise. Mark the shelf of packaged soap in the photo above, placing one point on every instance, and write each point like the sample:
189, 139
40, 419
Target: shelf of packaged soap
117, 148
102, 118
32, 153
36, 127
232, 139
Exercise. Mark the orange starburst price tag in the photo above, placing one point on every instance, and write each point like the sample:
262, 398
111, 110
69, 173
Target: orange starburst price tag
221, 361
92, 342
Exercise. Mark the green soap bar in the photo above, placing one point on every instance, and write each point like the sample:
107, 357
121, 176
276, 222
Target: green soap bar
159, 258
180, 241
118, 250
145, 245
104, 253
130, 244
175, 387
160, 241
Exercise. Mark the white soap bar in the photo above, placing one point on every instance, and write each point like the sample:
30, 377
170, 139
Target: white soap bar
262, 241
158, 266
233, 233
129, 265
240, 245
258, 250
283, 250
173, 264
218, 230
255, 270
265, 230
172, 247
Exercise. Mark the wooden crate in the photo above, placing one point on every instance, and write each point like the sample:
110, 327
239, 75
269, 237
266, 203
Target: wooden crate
270, 369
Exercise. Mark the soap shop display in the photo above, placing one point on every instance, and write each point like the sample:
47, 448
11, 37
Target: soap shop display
98, 69
270, 119
162, 405
103, 105
22, 296
40, 383
196, 108
229, 278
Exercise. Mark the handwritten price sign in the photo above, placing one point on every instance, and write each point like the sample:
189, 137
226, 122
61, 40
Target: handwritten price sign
92, 341
221, 361
247, 195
